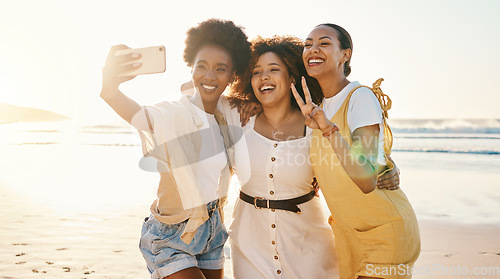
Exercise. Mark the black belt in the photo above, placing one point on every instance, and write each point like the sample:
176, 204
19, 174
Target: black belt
288, 204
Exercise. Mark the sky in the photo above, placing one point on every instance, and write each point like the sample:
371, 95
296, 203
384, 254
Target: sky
439, 59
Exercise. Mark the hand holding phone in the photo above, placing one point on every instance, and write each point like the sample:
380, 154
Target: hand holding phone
124, 63
151, 59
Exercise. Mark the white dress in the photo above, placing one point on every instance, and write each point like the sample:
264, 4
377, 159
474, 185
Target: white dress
279, 243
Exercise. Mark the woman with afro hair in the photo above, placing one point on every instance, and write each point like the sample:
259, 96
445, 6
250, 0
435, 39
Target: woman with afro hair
184, 236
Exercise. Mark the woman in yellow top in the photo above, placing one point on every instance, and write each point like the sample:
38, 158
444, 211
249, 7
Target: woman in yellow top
376, 231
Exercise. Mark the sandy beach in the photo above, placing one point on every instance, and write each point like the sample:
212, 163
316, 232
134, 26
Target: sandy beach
37, 242
73, 209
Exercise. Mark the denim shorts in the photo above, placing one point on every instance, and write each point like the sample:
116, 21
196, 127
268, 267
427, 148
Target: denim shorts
165, 253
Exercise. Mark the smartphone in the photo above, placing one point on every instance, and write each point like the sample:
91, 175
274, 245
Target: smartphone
152, 59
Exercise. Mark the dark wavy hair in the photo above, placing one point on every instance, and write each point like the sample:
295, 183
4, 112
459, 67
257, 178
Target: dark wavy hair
289, 49
222, 33
345, 43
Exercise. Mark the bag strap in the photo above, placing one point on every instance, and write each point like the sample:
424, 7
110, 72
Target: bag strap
383, 99
385, 104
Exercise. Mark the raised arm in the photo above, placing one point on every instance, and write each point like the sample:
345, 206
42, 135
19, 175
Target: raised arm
356, 159
112, 77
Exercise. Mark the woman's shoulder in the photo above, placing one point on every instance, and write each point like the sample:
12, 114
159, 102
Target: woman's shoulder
353, 90
176, 110
363, 94
364, 107
182, 102
361, 89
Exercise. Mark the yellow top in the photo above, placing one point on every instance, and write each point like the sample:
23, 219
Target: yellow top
374, 232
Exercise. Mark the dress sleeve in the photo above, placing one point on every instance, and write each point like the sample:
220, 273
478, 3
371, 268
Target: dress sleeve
364, 109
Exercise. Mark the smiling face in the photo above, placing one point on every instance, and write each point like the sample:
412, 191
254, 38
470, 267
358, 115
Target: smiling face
212, 72
271, 80
323, 55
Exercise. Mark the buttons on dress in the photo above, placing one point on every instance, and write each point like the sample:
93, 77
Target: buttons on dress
275, 257
272, 192
273, 159
273, 242
270, 175
278, 271
275, 145
273, 226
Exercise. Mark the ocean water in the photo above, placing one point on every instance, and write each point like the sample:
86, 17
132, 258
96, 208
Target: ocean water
450, 169
459, 144
447, 136
453, 136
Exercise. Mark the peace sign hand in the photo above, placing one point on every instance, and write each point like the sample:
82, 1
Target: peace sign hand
314, 114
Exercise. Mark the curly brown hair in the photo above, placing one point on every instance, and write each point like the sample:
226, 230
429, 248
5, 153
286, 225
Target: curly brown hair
289, 49
222, 33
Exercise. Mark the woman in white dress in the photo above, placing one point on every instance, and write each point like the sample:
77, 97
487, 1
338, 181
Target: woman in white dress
272, 236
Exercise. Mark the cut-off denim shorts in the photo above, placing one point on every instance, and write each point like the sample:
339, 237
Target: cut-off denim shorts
165, 253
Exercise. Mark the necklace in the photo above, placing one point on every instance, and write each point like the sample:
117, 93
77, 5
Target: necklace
275, 132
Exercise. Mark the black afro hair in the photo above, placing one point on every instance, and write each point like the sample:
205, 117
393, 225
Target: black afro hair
222, 33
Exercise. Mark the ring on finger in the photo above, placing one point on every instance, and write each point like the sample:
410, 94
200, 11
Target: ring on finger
313, 112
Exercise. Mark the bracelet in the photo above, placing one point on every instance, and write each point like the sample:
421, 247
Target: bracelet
333, 130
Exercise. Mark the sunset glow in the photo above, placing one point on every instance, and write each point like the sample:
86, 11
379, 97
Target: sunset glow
52, 51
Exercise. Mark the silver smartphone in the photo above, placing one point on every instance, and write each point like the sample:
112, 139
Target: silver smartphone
152, 59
